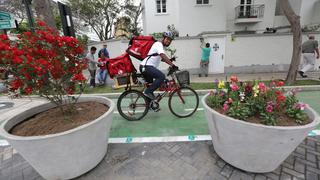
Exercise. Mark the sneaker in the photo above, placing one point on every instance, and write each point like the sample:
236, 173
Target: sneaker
156, 110
149, 95
302, 74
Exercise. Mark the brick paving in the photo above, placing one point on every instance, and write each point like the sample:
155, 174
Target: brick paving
173, 160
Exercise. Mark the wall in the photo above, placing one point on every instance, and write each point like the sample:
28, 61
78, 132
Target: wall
307, 11
246, 53
195, 19
316, 13
154, 22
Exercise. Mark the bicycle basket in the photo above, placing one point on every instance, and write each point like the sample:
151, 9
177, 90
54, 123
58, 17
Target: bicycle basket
183, 77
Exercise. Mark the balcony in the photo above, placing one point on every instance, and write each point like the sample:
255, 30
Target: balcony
249, 13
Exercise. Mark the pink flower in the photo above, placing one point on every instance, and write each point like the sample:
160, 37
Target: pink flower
300, 106
225, 107
234, 87
269, 108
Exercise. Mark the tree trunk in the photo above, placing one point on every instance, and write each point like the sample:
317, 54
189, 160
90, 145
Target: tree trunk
44, 12
296, 30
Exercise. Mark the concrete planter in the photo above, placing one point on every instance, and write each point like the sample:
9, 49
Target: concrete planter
63, 155
254, 147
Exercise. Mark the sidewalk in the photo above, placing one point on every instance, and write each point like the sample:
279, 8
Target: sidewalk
173, 160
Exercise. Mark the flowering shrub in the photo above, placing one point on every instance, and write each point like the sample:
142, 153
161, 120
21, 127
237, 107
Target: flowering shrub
43, 62
268, 103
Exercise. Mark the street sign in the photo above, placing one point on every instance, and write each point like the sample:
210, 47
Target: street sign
5, 15
7, 24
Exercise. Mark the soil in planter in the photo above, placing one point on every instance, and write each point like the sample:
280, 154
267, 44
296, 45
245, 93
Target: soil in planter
283, 120
52, 121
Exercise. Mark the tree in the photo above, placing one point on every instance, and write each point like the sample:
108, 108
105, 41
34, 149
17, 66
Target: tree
134, 12
44, 12
98, 14
297, 39
16, 8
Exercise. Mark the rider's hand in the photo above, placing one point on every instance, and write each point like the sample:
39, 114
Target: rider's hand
174, 68
173, 59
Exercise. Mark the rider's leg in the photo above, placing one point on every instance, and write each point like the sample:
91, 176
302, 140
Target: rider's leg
159, 77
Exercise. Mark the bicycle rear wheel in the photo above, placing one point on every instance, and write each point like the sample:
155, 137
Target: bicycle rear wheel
132, 105
183, 102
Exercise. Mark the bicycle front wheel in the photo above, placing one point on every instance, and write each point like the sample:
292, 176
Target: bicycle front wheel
183, 102
132, 105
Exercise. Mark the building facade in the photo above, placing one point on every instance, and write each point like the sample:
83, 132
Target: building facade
193, 17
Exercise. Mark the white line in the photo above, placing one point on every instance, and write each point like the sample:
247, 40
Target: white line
160, 139
116, 112
199, 109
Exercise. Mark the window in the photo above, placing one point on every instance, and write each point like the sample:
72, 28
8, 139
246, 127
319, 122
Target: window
202, 1
161, 6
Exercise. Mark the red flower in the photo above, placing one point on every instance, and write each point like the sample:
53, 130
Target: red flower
78, 77
41, 23
280, 83
28, 90
17, 60
234, 78
16, 84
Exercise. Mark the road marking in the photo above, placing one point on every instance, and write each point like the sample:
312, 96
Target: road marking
199, 109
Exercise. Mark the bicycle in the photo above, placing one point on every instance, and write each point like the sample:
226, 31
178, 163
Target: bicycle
183, 101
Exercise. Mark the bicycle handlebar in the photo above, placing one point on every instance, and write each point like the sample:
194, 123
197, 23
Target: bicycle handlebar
172, 69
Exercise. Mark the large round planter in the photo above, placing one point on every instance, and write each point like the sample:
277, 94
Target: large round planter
254, 147
63, 155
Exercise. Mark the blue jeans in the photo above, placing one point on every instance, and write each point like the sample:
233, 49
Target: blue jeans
151, 73
92, 77
102, 76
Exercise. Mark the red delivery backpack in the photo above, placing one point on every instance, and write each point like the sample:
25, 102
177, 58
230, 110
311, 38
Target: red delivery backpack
139, 46
120, 65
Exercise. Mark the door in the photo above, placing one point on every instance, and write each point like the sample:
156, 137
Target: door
217, 56
245, 8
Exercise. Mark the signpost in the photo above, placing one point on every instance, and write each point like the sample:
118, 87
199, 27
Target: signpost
6, 21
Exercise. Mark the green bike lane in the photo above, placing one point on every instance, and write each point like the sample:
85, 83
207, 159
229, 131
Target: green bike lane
164, 123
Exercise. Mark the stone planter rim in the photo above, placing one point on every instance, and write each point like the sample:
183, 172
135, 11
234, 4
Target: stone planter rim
314, 121
70, 131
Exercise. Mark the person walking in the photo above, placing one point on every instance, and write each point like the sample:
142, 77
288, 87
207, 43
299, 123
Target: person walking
310, 52
92, 66
204, 63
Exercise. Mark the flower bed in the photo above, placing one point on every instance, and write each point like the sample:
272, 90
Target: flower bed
258, 102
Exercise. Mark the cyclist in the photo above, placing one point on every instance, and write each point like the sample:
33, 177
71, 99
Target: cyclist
149, 66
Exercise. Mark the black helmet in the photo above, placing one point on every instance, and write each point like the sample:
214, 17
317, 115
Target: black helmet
168, 34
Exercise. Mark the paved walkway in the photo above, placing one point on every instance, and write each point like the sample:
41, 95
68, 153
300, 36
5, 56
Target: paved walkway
173, 160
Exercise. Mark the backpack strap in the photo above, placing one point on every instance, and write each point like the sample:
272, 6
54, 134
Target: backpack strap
149, 56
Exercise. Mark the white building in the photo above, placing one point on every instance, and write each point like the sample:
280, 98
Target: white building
192, 17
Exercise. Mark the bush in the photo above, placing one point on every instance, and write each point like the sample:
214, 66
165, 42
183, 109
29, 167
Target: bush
45, 63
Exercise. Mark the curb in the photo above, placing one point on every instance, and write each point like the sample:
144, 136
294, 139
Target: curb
206, 91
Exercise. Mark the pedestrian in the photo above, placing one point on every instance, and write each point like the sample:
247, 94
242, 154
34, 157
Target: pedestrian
92, 66
204, 63
102, 75
310, 52
105, 51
